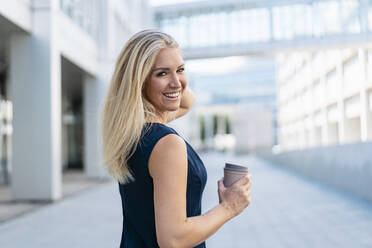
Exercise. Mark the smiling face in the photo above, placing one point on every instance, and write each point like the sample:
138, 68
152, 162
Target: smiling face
166, 82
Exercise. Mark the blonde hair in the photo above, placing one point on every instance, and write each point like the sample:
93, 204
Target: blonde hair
125, 109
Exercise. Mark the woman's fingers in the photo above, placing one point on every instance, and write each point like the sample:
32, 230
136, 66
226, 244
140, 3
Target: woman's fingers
244, 184
243, 181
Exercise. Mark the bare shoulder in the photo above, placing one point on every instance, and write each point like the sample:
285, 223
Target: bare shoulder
168, 153
170, 141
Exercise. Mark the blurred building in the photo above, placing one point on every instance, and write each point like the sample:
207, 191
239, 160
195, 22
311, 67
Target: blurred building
234, 127
56, 59
324, 90
253, 129
324, 97
237, 108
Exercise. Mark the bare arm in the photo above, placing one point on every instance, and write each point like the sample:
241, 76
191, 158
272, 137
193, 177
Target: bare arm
168, 168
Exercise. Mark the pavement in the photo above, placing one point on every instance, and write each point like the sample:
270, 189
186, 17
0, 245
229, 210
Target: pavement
73, 182
287, 210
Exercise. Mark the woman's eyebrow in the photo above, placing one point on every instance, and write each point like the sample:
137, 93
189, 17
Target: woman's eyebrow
166, 68
161, 68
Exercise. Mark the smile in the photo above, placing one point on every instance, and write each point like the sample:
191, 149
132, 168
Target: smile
172, 95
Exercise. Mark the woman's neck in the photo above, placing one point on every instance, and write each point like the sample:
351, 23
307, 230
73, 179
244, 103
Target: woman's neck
156, 119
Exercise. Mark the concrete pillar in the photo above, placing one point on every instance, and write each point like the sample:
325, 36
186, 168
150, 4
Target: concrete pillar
364, 115
324, 125
369, 115
340, 100
94, 90
221, 124
310, 121
35, 72
320, 118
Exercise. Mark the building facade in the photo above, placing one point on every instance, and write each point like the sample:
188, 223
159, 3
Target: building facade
324, 97
57, 57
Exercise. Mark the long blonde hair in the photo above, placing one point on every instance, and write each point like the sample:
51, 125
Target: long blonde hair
125, 109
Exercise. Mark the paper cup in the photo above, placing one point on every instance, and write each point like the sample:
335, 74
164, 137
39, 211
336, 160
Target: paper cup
232, 173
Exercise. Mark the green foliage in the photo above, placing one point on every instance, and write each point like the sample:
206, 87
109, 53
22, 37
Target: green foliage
228, 125
215, 124
202, 129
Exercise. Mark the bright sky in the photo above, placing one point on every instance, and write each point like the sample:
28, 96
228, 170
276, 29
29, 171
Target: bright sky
215, 66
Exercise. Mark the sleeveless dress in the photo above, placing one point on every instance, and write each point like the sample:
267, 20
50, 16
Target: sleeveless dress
137, 196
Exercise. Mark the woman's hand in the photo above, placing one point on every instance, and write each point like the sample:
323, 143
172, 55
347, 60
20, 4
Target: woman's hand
236, 197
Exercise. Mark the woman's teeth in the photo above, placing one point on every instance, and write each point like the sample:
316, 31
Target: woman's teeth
172, 95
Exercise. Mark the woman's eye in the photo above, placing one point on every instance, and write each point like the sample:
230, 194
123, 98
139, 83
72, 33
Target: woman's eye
160, 74
181, 70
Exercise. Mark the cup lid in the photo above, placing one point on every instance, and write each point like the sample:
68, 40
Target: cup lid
235, 167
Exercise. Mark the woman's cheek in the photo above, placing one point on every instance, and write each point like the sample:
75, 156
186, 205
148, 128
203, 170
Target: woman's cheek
184, 82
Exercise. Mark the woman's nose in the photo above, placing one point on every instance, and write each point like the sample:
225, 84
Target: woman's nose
175, 81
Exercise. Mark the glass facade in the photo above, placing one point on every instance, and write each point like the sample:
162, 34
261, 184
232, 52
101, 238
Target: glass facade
274, 22
370, 16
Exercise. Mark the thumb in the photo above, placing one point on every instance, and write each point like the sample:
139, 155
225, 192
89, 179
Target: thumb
221, 186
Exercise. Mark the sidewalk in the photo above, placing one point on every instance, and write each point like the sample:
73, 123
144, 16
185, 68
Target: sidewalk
286, 211
73, 182
290, 211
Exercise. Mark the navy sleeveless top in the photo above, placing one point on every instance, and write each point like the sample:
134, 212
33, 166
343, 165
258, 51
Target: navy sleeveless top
138, 199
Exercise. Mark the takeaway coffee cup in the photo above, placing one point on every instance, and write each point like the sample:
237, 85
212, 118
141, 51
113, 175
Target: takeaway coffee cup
232, 173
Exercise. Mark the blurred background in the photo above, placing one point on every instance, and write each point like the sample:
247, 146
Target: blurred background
288, 81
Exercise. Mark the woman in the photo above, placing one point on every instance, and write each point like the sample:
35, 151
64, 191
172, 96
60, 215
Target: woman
161, 178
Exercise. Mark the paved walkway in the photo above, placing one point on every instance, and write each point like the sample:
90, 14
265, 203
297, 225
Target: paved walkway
290, 211
73, 182
286, 211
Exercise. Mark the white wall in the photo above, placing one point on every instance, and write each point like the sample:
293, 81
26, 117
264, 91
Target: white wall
334, 91
253, 129
346, 167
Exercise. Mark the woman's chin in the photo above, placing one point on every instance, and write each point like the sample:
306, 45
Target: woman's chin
173, 109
